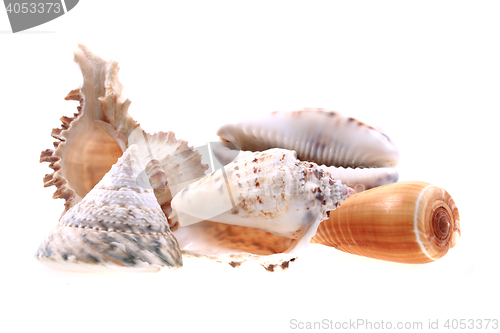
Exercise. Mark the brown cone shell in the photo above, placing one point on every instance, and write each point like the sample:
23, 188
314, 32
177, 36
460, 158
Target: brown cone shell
406, 222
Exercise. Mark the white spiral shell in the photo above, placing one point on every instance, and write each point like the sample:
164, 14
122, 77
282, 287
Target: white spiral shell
272, 191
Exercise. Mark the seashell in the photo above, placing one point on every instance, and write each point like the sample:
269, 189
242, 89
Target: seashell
170, 165
117, 225
264, 207
344, 146
91, 141
405, 222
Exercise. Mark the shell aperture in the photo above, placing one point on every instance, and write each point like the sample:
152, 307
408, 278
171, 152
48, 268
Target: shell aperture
89, 143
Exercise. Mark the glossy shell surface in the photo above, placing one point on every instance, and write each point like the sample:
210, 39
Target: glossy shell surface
348, 147
405, 222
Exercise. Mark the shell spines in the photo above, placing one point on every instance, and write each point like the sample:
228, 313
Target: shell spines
90, 142
102, 85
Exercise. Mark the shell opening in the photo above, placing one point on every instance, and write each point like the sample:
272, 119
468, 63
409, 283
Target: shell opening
89, 143
215, 238
87, 161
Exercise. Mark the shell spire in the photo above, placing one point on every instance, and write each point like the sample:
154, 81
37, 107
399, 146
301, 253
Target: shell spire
118, 225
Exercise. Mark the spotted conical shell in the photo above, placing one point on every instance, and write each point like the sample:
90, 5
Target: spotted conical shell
117, 225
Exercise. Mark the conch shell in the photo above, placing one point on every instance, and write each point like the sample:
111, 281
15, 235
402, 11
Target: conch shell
357, 154
263, 208
89, 143
117, 225
405, 222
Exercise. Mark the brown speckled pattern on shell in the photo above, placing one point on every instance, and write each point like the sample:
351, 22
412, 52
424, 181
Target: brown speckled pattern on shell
318, 136
358, 154
269, 192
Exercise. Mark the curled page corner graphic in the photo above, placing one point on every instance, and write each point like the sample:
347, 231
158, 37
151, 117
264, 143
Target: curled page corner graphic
26, 14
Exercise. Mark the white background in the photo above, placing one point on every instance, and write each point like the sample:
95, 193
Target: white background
427, 72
